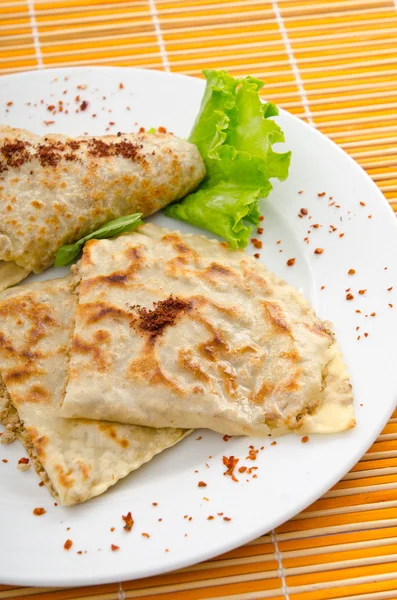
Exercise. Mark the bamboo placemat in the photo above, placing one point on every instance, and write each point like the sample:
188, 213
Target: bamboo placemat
334, 64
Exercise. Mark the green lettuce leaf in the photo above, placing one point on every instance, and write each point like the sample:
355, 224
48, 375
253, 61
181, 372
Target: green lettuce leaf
70, 252
234, 133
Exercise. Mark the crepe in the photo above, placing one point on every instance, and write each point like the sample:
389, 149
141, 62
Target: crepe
77, 459
55, 189
228, 346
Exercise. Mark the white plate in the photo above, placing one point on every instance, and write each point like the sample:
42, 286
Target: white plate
291, 475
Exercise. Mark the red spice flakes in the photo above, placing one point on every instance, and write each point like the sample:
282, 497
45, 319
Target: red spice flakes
10, 103
51, 107
261, 218
391, 305
4, 460
341, 235
304, 211
121, 86
210, 518
305, 439
359, 337
114, 548
362, 204
357, 328
349, 297
347, 290
362, 292
315, 225
290, 262
273, 443
84, 105
146, 535
226, 518
141, 130
68, 544
330, 197
256, 255
161, 130
226, 438
252, 453
82, 86
278, 242
242, 469
23, 461
160, 520
351, 272
112, 529
48, 123
332, 228
38, 512
366, 334
256, 243
155, 504
202, 484
369, 216
164, 313
199, 438
300, 191
129, 521
230, 464
112, 123
321, 194
389, 289
322, 287
259, 231
358, 311
319, 251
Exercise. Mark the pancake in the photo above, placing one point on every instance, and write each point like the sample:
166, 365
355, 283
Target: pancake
76, 459
177, 330
54, 189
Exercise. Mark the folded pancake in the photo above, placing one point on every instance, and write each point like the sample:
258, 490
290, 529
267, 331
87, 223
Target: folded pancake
56, 189
178, 330
77, 459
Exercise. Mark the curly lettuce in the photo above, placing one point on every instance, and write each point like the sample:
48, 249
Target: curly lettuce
234, 133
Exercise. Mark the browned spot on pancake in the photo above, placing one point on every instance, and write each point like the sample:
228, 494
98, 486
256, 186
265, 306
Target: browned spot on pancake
96, 311
275, 317
40, 442
64, 477
20, 375
37, 204
147, 370
212, 348
291, 384
37, 394
85, 470
229, 377
266, 389
186, 361
111, 432
135, 257
215, 273
292, 355
176, 266
180, 246
82, 347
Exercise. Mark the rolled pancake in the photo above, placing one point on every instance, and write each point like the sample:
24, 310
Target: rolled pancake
56, 189
77, 459
228, 346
